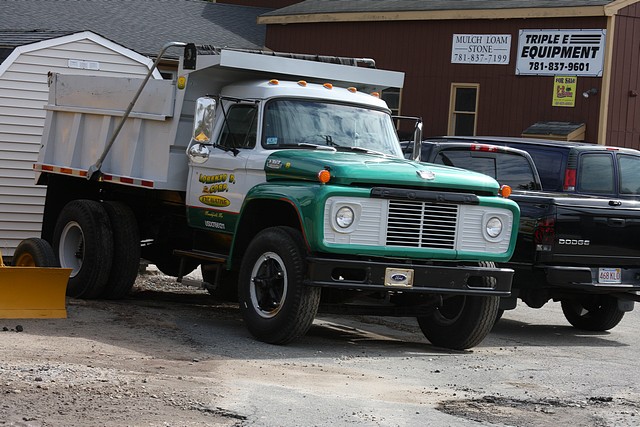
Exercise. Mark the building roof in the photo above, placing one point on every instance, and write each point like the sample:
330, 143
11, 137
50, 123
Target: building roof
20, 38
383, 10
143, 26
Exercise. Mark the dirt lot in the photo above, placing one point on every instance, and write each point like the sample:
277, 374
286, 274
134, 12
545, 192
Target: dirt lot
177, 357
113, 363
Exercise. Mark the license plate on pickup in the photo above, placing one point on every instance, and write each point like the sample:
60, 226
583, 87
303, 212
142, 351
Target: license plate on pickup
609, 275
398, 277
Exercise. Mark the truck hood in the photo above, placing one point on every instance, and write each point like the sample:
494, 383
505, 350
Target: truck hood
352, 168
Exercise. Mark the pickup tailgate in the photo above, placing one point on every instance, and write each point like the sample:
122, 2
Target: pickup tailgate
597, 232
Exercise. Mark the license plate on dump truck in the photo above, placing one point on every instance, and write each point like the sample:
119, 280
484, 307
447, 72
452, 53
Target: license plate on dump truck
609, 275
398, 277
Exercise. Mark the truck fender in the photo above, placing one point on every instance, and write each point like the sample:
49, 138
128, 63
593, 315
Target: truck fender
270, 206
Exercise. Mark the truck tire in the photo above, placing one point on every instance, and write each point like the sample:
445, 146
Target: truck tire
82, 241
276, 305
34, 252
462, 321
592, 313
126, 250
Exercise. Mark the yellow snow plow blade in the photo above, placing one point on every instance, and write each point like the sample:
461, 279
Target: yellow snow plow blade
33, 292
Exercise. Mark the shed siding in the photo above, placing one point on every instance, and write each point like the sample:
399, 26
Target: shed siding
23, 93
508, 103
623, 120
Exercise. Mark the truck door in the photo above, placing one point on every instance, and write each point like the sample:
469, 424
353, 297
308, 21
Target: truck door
217, 187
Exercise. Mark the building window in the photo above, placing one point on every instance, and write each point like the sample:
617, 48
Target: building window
392, 97
463, 109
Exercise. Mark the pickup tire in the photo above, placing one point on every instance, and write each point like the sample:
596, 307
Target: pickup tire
34, 252
82, 241
126, 254
461, 322
276, 305
592, 313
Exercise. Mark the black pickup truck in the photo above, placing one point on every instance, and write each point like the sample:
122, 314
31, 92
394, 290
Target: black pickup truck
580, 249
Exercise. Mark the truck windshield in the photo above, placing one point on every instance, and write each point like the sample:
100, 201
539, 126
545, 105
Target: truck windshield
305, 124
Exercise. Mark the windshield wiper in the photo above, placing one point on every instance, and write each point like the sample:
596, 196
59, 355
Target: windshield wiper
364, 150
308, 145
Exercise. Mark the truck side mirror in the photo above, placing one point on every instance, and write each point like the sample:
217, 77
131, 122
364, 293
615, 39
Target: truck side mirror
417, 141
203, 120
198, 150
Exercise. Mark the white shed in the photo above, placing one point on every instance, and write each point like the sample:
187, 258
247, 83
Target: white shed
23, 93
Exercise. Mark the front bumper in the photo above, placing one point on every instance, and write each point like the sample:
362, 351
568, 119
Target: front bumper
428, 278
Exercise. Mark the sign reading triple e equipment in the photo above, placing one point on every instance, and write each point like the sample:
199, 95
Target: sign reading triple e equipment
567, 52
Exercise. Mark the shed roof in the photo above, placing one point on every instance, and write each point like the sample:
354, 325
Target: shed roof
141, 25
382, 10
21, 38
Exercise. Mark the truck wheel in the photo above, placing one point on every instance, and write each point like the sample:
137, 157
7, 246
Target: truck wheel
594, 313
276, 305
462, 321
227, 289
126, 253
34, 252
83, 241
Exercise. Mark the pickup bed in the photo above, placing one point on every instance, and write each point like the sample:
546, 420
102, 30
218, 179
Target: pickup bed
581, 250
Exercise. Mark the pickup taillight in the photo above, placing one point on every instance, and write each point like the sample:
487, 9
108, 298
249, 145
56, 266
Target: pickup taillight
544, 234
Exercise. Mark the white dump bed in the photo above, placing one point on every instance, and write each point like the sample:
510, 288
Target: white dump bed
149, 151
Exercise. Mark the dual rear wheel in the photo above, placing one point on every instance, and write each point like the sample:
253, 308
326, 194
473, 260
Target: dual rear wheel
101, 244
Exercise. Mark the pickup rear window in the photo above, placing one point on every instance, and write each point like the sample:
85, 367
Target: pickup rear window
509, 169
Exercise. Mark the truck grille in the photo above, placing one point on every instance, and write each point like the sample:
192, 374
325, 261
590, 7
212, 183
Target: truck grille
422, 224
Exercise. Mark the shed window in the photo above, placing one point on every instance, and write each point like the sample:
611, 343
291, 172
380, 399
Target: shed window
463, 109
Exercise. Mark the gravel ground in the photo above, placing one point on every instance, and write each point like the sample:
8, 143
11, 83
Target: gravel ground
171, 355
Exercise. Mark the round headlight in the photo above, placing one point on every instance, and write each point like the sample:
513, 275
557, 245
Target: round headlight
494, 227
344, 217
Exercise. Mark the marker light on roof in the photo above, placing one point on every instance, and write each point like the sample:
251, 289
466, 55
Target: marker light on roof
375, 94
328, 86
302, 83
274, 82
352, 89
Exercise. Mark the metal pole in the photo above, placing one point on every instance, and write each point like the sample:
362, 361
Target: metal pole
95, 168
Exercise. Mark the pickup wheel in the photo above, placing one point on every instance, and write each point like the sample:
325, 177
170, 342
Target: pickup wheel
83, 241
34, 252
126, 254
461, 322
276, 305
592, 313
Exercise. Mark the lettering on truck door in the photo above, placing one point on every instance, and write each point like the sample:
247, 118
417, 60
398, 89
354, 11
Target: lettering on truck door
217, 187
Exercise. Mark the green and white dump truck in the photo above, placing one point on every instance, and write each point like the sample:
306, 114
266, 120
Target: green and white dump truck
283, 177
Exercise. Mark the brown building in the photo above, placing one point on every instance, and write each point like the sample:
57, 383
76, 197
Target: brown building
494, 67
